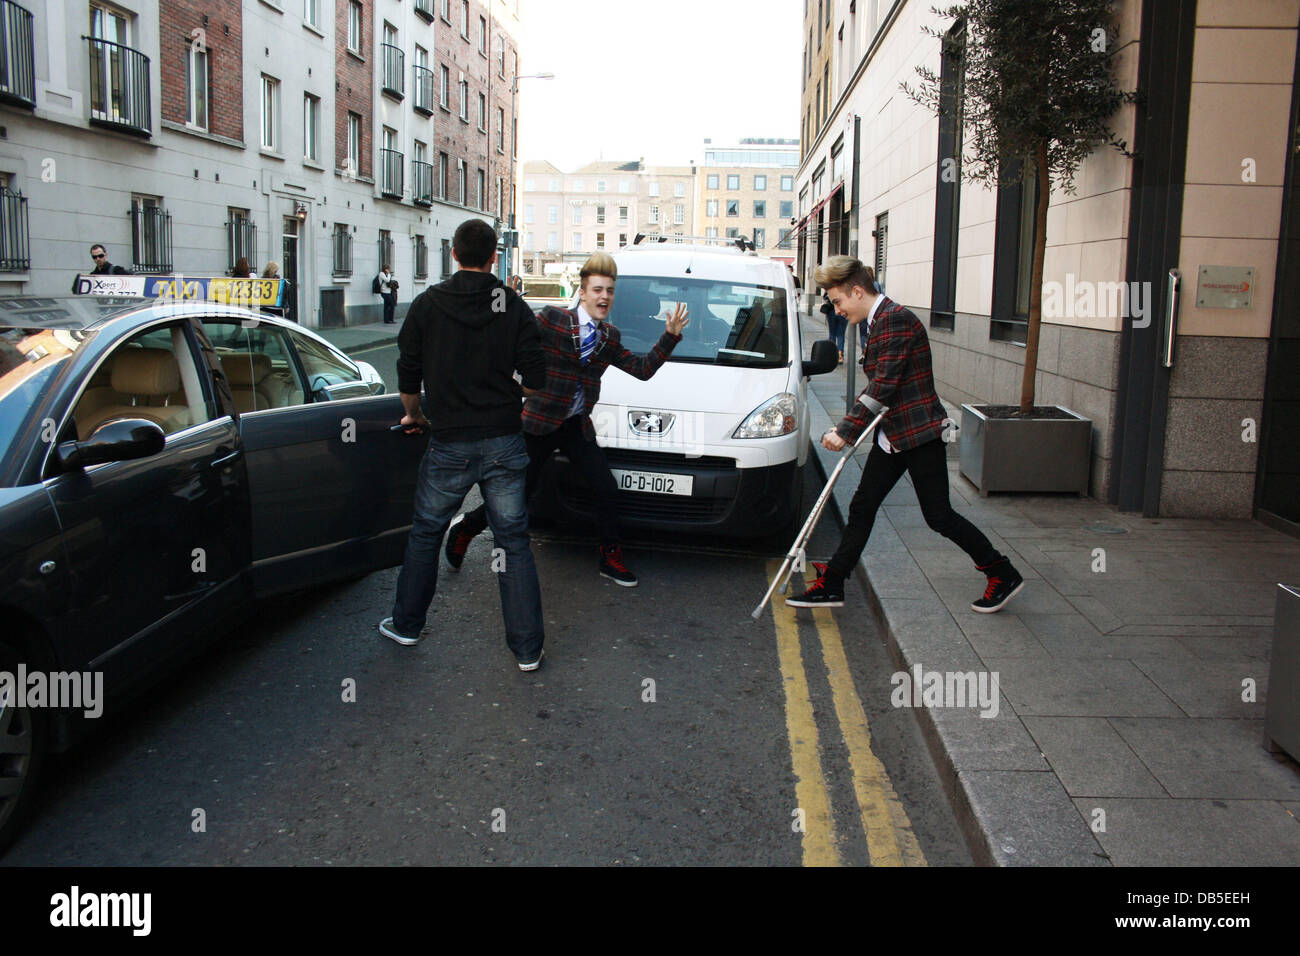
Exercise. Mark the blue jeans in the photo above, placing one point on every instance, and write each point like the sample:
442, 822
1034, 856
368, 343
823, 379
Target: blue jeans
447, 472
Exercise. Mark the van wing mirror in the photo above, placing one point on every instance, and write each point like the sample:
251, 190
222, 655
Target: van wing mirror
825, 358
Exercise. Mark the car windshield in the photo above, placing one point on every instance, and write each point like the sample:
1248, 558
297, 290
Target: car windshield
731, 323
29, 360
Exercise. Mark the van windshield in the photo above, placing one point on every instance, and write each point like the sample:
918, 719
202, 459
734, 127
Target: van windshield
730, 323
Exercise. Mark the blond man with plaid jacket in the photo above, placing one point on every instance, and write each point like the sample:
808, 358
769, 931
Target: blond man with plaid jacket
579, 344
896, 360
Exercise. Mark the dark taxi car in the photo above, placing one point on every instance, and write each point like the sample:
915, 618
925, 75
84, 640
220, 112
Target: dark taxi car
162, 465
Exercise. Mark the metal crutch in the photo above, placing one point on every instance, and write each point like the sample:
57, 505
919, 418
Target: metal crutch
782, 576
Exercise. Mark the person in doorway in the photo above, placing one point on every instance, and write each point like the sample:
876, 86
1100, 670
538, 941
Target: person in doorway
464, 339
388, 292
579, 346
896, 360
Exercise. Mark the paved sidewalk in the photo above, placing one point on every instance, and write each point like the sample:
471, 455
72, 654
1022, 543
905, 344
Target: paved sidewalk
1121, 735
354, 338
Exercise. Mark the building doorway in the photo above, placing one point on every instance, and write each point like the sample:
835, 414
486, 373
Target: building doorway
289, 267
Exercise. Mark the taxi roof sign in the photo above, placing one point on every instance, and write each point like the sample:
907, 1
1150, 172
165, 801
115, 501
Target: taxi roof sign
251, 292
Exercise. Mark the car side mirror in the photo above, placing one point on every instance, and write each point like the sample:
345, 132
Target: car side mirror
121, 440
825, 358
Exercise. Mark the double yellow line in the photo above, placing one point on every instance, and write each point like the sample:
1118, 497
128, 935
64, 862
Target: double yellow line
890, 840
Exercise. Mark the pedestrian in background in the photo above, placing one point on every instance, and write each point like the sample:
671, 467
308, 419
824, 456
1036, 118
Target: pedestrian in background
388, 292
836, 324
242, 269
99, 255
465, 348
272, 271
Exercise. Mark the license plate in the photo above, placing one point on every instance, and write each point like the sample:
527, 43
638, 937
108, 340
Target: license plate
654, 482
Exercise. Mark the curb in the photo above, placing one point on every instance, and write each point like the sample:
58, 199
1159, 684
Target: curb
1012, 808
378, 339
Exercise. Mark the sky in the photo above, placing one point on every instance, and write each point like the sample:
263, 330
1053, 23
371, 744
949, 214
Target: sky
653, 79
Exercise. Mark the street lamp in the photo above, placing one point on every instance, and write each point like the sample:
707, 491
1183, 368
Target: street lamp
514, 140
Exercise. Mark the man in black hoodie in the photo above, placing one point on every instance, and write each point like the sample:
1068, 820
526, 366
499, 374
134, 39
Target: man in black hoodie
465, 338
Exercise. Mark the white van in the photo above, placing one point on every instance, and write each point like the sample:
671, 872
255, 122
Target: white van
716, 440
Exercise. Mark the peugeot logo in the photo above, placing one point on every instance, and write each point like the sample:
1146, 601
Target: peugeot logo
650, 423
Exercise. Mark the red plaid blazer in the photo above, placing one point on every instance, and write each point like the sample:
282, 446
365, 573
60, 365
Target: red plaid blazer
896, 360
547, 410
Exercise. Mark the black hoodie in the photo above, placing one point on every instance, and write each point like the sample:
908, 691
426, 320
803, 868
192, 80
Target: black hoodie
465, 338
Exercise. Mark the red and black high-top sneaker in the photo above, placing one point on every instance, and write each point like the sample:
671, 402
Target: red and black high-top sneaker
1004, 582
459, 535
612, 566
821, 593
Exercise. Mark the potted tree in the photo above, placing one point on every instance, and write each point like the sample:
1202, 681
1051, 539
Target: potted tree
1039, 93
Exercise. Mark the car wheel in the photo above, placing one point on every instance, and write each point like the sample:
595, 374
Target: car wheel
22, 749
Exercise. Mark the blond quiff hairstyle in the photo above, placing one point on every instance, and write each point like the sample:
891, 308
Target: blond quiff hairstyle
599, 264
845, 271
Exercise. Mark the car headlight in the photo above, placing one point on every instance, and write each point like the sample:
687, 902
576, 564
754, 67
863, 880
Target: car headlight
773, 418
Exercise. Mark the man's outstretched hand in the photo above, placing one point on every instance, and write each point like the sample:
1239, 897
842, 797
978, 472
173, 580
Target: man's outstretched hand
832, 441
678, 320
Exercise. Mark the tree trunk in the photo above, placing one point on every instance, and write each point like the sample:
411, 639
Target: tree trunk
1036, 280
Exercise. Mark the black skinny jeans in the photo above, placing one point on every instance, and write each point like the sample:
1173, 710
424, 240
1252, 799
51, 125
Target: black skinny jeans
587, 456
928, 466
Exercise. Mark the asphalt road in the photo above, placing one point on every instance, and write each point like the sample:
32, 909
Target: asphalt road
665, 727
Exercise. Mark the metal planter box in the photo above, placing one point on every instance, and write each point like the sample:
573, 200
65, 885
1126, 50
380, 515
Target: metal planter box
1282, 716
1034, 454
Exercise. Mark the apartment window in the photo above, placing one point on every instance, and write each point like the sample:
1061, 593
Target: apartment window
15, 232
241, 238
354, 144
446, 258
501, 67
733, 180
444, 167
622, 239
530, 242
826, 92
464, 183
394, 67
711, 181
787, 184
421, 258
600, 185
354, 27
553, 185
577, 186
760, 238
529, 215
530, 185
947, 194
817, 105
552, 214
622, 215
679, 190
392, 183
1013, 257
482, 35
710, 207
270, 113
760, 209
552, 241
760, 184
422, 81
311, 12
481, 181
577, 215
600, 215
196, 88
310, 127
577, 242
787, 208
679, 214
464, 100
600, 240
710, 232
464, 18
342, 258
482, 113
501, 130
385, 248
421, 175
654, 215
445, 10
733, 232
654, 189
733, 207
783, 239
444, 92
151, 235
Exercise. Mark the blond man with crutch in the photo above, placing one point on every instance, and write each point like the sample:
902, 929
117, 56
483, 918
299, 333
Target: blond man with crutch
896, 360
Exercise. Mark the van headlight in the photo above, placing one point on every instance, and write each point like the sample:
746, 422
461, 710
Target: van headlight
773, 418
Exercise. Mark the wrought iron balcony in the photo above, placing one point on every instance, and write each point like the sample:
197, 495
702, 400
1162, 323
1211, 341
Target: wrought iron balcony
17, 66
394, 79
342, 252
391, 173
15, 240
119, 86
423, 82
422, 183
151, 238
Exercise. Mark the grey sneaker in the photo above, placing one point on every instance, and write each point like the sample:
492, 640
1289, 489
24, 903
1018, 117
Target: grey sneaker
532, 665
386, 628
